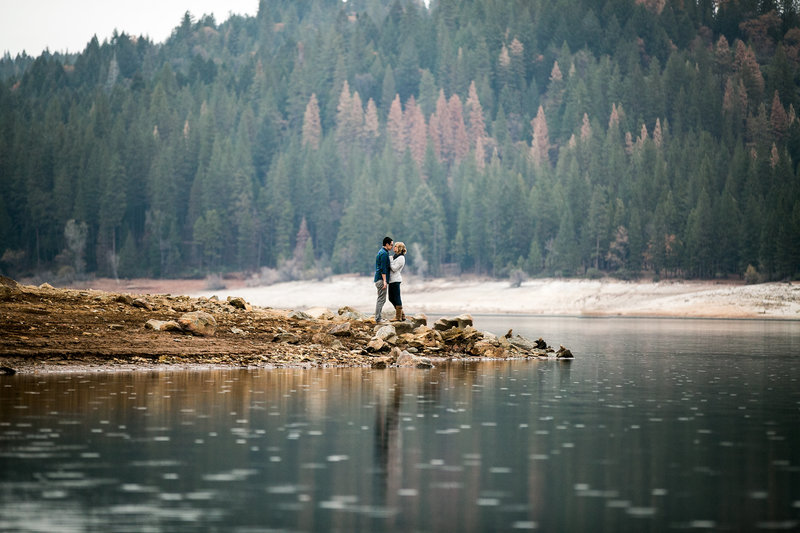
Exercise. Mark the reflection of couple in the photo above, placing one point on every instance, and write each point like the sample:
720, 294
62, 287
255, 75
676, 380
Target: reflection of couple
388, 277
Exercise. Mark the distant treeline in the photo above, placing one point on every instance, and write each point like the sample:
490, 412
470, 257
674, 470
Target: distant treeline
500, 137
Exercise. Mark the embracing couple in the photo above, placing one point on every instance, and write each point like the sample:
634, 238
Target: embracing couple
388, 277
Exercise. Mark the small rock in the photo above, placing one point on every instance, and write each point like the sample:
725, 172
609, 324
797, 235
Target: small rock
523, 344
299, 315
443, 324
341, 330
126, 299
376, 345
161, 325
382, 362
8, 282
405, 359
288, 338
237, 331
403, 327
198, 323
142, 303
487, 349
6, 293
116, 327
460, 321
7, 371
418, 320
239, 303
353, 316
385, 332
46, 286
320, 313
564, 353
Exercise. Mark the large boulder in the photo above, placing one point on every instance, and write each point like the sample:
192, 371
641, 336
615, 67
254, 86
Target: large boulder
198, 323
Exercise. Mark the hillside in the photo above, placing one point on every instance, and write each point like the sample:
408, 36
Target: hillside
565, 138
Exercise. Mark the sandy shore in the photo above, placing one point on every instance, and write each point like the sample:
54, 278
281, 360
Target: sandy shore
701, 299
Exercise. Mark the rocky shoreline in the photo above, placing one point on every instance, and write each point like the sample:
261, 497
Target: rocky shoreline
50, 329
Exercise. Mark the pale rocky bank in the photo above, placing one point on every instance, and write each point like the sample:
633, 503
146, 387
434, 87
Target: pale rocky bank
685, 299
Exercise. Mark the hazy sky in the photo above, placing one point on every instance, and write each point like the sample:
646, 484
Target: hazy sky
67, 25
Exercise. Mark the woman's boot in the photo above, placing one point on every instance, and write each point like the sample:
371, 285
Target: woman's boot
399, 313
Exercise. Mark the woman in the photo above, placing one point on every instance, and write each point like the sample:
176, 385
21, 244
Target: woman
396, 264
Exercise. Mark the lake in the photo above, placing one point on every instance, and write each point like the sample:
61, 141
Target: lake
658, 424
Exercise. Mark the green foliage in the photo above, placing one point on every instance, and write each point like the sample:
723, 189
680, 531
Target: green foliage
671, 145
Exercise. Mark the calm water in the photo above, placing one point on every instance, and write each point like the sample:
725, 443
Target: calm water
656, 425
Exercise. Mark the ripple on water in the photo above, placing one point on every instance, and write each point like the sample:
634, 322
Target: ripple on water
237, 474
641, 512
786, 525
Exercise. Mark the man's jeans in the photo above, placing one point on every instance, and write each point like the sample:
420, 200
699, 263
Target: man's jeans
381, 299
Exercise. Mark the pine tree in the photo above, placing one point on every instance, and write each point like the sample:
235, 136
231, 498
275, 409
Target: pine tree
477, 126
460, 139
395, 128
415, 130
312, 129
540, 145
370, 131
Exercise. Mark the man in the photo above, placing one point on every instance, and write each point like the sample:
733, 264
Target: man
382, 275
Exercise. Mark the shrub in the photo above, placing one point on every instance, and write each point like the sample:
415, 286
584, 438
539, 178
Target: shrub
751, 275
594, 273
214, 282
516, 277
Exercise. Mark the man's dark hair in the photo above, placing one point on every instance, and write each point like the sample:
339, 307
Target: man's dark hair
387, 240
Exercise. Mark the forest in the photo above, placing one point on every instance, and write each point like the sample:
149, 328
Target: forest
576, 138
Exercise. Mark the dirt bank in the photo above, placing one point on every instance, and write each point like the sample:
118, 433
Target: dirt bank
45, 328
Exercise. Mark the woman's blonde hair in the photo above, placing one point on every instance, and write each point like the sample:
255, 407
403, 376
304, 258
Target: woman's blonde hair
399, 248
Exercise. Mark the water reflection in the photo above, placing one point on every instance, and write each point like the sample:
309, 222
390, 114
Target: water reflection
646, 436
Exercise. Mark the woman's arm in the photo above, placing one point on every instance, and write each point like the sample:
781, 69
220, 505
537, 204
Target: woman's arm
397, 263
